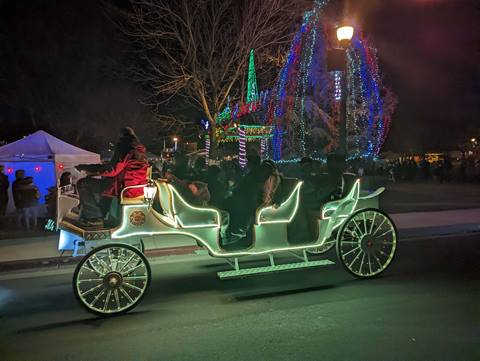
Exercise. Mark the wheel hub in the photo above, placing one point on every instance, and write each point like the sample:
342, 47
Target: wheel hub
368, 243
112, 280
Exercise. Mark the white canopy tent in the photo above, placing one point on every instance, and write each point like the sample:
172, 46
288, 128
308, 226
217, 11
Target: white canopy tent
45, 158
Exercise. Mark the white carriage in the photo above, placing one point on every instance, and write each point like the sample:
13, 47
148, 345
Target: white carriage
114, 273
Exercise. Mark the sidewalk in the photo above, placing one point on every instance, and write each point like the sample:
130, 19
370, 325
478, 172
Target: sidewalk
28, 252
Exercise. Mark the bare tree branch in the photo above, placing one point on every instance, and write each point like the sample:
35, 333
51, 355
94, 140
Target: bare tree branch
198, 50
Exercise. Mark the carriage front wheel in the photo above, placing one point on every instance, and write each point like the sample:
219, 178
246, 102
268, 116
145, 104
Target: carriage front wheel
367, 242
111, 279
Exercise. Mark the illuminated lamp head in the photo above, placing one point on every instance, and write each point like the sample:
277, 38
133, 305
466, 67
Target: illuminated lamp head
37, 168
149, 192
61, 166
9, 170
345, 35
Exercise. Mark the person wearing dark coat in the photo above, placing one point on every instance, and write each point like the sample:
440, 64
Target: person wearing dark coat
258, 188
4, 183
25, 196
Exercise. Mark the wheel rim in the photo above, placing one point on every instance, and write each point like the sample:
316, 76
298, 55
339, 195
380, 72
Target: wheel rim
112, 279
367, 243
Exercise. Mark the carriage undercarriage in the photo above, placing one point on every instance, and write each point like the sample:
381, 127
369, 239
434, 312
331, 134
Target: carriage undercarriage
114, 273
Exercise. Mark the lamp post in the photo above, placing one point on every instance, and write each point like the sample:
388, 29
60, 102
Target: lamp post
344, 36
175, 143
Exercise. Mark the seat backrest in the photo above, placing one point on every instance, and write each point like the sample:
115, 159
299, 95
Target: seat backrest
165, 198
189, 216
286, 211
348, 180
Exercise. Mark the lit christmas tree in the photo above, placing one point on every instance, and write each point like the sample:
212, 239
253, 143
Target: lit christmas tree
252, 89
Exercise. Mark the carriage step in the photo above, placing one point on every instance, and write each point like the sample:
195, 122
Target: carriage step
277, 268
201, 252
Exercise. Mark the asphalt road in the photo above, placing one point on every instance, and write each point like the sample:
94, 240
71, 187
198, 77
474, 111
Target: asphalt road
425, 307
424, 197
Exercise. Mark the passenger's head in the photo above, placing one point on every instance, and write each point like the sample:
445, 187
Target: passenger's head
253, 160
335, 163
199, 163
180, 160
65, 179
306, 162
127, 132
20, 174
267, 168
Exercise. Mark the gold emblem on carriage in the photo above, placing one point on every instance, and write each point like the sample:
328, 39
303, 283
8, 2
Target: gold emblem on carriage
137, 218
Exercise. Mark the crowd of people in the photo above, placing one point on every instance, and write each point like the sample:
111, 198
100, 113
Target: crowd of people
240, 192
465, 169
26, 197
236, 192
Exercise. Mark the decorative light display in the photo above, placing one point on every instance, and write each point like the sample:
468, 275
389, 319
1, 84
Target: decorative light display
254, 133
303, 106
37, 168
369, 105
50, 225
242, 147
205, 124
9, 170
254, 100
252, 90
207, 150
302, 82
302, 109
263, 148
338, 85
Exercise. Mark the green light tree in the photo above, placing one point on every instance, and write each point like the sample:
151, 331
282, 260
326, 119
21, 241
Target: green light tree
252, 89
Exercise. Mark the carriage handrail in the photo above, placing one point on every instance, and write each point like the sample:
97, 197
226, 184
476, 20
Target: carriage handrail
131, 187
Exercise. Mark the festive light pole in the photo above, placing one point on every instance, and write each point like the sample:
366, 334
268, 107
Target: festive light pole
344, 36
242, 145
207, 150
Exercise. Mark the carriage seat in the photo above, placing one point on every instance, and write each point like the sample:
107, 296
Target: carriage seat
184, 214
285, 212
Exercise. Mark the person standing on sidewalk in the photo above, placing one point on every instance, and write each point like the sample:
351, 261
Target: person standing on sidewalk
25, 196
3, 191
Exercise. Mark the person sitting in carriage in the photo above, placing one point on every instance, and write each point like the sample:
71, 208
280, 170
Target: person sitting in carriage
128, 167
261, 187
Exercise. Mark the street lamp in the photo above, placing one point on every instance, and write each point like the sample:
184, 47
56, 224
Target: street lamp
175, 141
344, 35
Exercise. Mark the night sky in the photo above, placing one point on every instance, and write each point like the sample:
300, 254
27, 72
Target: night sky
429, 52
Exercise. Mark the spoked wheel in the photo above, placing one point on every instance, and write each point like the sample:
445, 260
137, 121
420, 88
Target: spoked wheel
324, 248
367, 243
111, 279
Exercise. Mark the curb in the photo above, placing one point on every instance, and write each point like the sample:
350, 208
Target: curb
69, 260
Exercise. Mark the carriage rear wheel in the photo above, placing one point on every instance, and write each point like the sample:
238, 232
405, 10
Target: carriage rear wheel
111, 279
367, 242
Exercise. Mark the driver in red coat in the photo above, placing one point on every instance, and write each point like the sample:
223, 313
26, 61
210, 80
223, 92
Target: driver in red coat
129, 167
